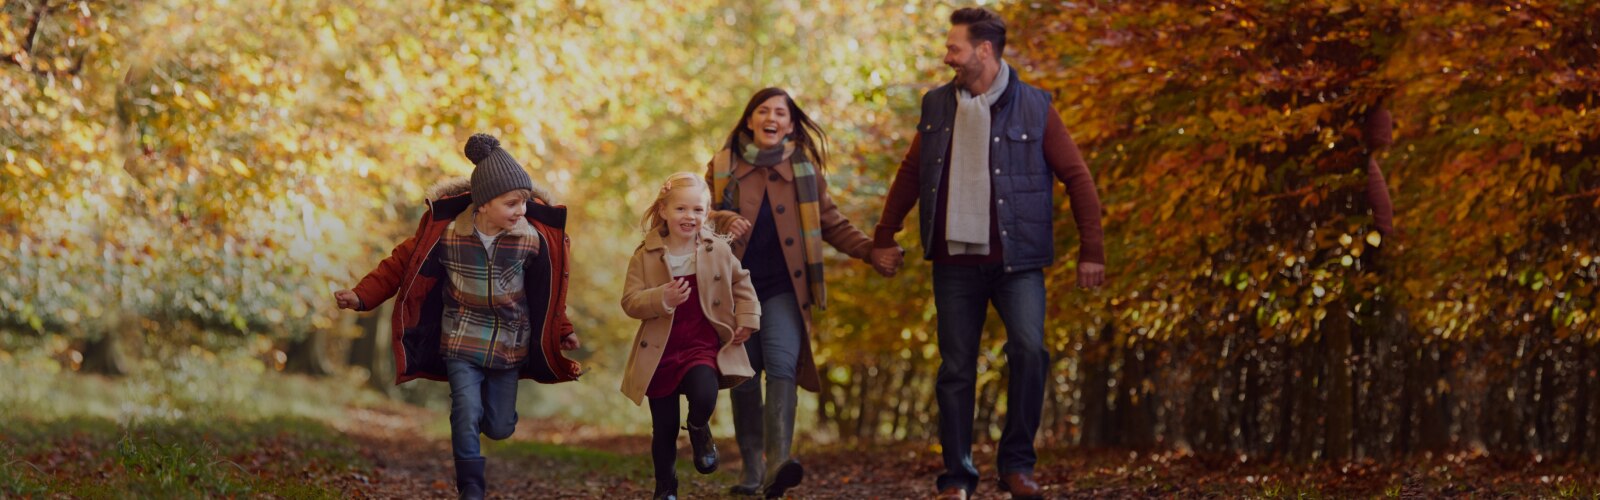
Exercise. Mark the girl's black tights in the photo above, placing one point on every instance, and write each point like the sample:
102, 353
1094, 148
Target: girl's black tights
699, 386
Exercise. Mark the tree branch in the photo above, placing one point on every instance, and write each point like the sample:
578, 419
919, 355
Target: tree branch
15, 59
33, 26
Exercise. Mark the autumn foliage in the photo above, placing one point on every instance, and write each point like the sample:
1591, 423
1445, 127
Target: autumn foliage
176, 172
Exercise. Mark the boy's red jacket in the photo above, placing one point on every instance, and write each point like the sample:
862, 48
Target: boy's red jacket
413, 271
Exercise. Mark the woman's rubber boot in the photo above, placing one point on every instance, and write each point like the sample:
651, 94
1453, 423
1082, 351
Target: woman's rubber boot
779, 412
747, 432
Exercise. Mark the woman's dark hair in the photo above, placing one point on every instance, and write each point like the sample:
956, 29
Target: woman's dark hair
808, 137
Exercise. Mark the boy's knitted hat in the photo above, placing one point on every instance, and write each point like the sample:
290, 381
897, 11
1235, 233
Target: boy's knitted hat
495, 171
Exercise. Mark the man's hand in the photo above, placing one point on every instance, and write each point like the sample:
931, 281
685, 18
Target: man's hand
569, 342
347, 299
887, 260
1091, 275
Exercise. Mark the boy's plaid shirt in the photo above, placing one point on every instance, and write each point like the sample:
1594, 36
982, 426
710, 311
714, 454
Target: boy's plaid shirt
485, 320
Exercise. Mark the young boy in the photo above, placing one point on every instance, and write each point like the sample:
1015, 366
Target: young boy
482, 299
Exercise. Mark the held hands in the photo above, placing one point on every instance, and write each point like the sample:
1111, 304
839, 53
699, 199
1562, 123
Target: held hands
570, 342
741, 334
675, 293
347, 299
1091, 275
887, 260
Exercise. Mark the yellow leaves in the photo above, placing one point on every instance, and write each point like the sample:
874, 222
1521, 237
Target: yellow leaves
239, 167
1374, 239
35, 167
204, 100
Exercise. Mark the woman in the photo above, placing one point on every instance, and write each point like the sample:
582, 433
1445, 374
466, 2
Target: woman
770, 196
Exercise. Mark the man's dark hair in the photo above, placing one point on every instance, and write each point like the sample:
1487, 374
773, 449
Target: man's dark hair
983, 25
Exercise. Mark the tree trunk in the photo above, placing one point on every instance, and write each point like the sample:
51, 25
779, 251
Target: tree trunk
104, 355
1250, 410
1433, 424
372, 350
1410, 391
1133, 402
1095, 414
306, 355
1586, 394
1336, 333
1288, 392
827, 402
1310, 405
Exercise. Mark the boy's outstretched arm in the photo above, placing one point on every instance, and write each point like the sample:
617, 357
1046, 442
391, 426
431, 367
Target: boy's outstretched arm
384, 281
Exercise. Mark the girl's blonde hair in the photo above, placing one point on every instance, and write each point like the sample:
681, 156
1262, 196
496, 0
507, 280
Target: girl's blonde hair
681, 180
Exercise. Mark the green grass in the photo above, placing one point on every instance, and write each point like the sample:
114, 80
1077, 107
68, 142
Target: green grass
96, 458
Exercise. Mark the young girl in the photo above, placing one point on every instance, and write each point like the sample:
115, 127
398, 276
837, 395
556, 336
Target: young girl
697, 308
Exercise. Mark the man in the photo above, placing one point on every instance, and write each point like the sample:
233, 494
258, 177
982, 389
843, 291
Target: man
986, 225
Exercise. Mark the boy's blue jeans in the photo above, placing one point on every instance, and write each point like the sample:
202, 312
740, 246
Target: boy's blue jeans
481, 400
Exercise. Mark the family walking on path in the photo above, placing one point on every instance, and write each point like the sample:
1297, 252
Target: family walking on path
730, 268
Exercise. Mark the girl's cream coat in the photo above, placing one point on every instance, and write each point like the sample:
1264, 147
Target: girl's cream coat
726, 296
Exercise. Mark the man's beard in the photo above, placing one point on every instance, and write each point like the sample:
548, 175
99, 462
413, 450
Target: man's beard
966, 75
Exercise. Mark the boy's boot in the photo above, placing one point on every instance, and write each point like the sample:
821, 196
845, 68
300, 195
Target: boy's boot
469, 478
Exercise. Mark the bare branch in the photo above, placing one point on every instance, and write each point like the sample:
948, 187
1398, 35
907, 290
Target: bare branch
33, 26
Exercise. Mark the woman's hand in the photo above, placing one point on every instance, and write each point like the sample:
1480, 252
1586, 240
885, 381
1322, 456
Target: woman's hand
742, 334
738, 227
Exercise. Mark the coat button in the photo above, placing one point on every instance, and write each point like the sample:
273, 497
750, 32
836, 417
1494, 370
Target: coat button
788, 242
708, 248
1024, 137
718, 277
779, 209
997, 138
772, 177
716, 302
644, 344
797, 273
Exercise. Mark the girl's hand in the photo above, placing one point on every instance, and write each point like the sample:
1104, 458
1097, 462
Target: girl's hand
347, 299
738, 227
742, 334
677, 292
569, 342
